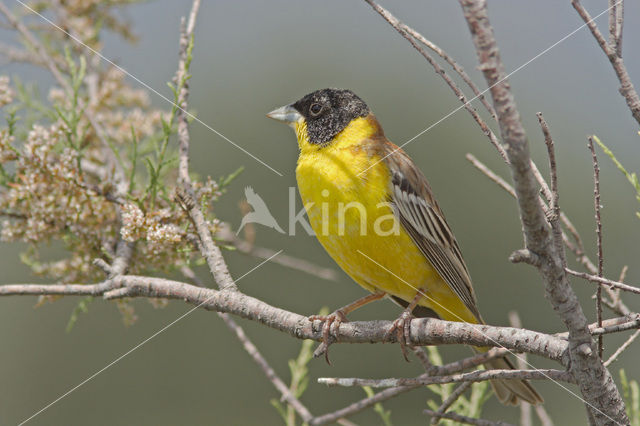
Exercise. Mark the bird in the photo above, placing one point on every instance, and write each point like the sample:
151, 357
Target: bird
374, 212
260, 213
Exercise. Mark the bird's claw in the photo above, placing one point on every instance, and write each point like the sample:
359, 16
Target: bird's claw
331, 323
401, 327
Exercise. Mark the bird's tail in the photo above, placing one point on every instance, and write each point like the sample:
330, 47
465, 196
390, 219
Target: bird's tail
511, 391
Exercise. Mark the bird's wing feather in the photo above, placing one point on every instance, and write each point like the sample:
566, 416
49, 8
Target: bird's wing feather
421, 217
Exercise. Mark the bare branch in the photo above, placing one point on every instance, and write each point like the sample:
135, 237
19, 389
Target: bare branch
464, 419
421, 354
256, 356
621, 349
474, 376
363, 404
229, 237
457, 68
614, 54
616, 328
423, 331
595, 381
56, 289
210, 251
521, 363
267, 370
596, 199
457, 393
616, 304
490, 174
601, 280
545, 420
403, 30
554, 195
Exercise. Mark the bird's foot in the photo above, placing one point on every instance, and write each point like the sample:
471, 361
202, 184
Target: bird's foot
331, 324
401, 328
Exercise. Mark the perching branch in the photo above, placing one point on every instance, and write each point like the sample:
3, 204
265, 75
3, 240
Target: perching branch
424, 331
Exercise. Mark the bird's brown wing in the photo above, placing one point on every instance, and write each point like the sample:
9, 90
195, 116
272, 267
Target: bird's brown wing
421, 217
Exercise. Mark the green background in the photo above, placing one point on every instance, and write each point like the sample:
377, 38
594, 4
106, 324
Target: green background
253, 56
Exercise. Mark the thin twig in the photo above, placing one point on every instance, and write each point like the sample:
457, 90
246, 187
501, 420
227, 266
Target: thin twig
611, 325
385, 394
267, 370
554, 205
545, 420
229, 237
257, 357
577, 248
464, 419
596, 199
363, 404
630, 325
457, 68
457, 393
474, 376
622, 348
422, 356
521, 363
490, 174
614, 54
185, 194
402, 29
617, 305
601, 280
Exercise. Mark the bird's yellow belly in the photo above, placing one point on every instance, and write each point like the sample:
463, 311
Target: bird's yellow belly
352, 219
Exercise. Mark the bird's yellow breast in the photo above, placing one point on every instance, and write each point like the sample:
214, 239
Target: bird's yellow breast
346, 192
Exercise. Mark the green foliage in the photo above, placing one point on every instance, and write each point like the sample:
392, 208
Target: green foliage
631, 394
81, 307
299, 378
157, 165
91, 161
631, 177
470, 406
385, 415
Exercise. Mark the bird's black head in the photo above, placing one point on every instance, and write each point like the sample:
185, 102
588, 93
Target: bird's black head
328, 111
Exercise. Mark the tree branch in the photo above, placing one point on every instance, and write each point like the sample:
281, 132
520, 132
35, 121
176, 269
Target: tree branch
602, 280
464, 419
594, 380
411, 36
186, 196
614, 54
423, 331
474, 376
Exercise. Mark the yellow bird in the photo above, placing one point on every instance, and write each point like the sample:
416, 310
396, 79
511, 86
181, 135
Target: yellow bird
373, 211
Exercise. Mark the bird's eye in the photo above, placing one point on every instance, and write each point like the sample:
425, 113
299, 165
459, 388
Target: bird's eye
315, 109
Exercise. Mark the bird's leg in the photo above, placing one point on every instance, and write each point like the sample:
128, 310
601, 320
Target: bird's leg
333, 321
401, 326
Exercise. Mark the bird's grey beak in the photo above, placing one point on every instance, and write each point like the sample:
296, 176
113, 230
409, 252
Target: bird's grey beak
286, 114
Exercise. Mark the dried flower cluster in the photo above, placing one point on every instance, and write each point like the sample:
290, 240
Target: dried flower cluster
61, 181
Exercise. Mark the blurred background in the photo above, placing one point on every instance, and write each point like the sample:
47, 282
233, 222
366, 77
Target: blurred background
251, 57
